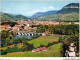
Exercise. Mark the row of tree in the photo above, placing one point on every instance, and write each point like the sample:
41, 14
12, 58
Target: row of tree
58, 29
9, 23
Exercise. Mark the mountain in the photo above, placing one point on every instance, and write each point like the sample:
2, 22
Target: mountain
69, 13
72, 7
9, 17
38, 14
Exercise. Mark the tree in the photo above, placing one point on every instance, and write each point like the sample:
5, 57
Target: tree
27, 47
22, 27
7, 41
5, 37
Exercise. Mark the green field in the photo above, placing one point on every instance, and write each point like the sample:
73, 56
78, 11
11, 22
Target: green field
52, 51
9, 50
43, 40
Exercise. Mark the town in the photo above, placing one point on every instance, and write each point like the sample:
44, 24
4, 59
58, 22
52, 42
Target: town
41, 32
26, 25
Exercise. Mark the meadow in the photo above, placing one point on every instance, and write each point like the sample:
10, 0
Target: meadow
54, 48
43, 40
52, 51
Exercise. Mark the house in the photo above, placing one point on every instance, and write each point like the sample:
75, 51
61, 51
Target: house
44, 48
43, 34
28, 25
34, 50
5, 27
41, 49
65, 23
8, 28
76, 23
16, 27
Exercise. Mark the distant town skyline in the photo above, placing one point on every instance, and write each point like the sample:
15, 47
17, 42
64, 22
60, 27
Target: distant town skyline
28, 8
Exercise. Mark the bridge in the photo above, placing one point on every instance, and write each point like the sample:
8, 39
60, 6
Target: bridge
28, 33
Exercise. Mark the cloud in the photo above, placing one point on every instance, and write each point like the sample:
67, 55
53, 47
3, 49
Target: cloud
50, 7
43, 8
47, 8
36, 10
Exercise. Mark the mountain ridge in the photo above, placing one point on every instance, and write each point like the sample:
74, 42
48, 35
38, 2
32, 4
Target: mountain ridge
9, 17
64, 15
38, 14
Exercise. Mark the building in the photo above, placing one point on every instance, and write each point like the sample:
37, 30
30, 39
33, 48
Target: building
27, 26
41, 49
16, 27
5, 27
65, 23
76, 23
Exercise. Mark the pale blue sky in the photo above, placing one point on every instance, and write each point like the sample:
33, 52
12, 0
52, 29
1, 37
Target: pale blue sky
28, 8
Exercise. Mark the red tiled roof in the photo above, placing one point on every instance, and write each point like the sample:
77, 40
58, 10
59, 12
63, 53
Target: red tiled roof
43, 48
4, 25
10, 53
35, 49
16, 24
39, 49
8, 28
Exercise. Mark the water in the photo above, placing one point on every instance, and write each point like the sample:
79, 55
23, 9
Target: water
17, 36
21, 36
25, 36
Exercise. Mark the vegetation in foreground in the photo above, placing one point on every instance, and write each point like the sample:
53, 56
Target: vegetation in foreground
52, 51
47, 41
43, 41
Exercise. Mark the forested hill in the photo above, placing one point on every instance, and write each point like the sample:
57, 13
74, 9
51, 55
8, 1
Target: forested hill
9, 17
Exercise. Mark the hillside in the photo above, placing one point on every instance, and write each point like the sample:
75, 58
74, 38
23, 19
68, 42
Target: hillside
69, 12
38, 14
9, 17
55, 52
72, 7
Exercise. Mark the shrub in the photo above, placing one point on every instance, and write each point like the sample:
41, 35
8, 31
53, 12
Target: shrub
9, 50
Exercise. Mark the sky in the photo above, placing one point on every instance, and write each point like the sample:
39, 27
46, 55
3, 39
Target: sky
30, 7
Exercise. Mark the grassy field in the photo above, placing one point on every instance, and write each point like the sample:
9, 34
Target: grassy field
52, 51
43, 40
9, 50
19, 45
